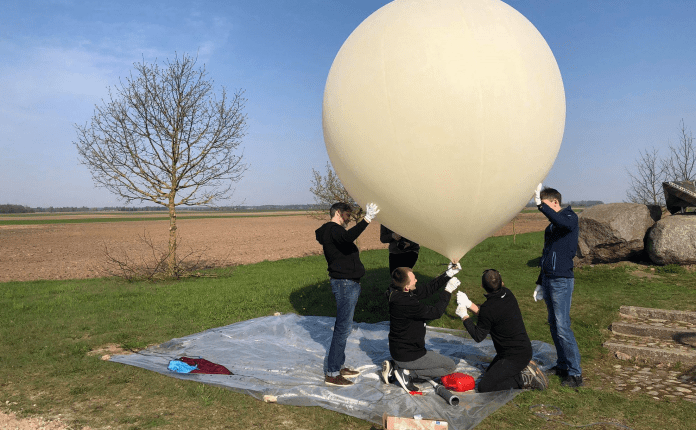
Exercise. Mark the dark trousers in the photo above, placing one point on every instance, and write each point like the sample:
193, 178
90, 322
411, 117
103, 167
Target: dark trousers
407, 259
503, 374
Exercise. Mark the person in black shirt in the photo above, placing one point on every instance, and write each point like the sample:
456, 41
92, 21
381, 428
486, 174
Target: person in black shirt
500, 317
345, 270
402, 252
407, 325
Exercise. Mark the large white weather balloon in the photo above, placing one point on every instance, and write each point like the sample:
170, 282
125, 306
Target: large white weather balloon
447, 114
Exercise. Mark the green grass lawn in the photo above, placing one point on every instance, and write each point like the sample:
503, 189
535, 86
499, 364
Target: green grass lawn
47, 329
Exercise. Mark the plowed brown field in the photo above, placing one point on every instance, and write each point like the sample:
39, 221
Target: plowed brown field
75, 251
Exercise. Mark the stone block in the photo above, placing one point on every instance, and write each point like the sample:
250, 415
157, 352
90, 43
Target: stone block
614, 232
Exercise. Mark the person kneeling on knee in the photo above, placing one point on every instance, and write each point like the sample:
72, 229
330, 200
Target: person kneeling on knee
407, 325
500, 317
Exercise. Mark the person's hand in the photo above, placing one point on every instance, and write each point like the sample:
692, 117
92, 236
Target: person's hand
463, 300
461, 311
453, 269
537, 195
371, 211
538, 294
452, 285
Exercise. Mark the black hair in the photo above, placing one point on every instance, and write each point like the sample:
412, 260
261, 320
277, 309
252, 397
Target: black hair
400, 277
339, 207
550, 194
491, 280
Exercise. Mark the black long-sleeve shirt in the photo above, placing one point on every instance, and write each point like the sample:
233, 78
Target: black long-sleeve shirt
341, 254
397, 246
500, 317
408, 315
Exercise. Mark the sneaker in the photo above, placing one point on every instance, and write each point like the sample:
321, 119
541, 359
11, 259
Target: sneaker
387, 371
337, 381
534, 378
572, 381
348, 373
555, 370
403, 376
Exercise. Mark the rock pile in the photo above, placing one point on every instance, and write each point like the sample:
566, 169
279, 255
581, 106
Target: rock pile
614, 232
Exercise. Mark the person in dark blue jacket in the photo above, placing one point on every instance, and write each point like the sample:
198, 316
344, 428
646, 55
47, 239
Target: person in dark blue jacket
556, 281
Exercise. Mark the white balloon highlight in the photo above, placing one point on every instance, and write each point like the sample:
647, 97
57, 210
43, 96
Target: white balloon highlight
445, 113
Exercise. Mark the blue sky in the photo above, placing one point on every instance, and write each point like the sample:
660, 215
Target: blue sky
628, 68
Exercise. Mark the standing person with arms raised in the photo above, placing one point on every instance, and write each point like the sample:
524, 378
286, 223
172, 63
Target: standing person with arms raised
345, 270
556, 281
402, 252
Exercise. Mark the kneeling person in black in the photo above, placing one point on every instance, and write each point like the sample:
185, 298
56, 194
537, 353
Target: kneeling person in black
500, 316
407, 326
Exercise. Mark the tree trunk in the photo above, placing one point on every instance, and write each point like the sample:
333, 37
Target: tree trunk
171, 260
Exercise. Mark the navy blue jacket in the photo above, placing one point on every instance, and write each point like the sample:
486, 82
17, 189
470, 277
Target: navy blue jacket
341, 254
560, 243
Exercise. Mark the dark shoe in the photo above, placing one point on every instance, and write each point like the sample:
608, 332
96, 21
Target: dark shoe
534, 378
337, 381
572, 381
555, 370
388, 372
404, 378
348, 373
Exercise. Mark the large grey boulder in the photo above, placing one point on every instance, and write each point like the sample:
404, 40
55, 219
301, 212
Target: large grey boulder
672, 240
614, 232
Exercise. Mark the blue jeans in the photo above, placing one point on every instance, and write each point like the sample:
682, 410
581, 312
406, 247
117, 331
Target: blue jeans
346, 292
558, 294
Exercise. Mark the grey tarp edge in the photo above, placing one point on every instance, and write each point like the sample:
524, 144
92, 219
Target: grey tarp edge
283, 356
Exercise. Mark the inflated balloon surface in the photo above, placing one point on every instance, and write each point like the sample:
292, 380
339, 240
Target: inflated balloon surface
447, 114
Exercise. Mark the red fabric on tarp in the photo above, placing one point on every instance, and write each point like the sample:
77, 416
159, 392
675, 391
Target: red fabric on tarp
459, 382
205, 366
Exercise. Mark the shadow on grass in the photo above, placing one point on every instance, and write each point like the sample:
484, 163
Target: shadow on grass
318, 300
535, 262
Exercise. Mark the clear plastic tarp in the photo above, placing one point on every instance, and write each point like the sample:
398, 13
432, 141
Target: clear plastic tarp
283, 357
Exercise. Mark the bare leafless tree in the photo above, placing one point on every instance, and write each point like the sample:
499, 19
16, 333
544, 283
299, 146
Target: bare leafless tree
328, 190
166, 137
646, 179
681, 163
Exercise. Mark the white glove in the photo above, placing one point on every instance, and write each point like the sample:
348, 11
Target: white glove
370, 212
461, 311
537, 195
463, 300
538, 294
452, 285
453, 269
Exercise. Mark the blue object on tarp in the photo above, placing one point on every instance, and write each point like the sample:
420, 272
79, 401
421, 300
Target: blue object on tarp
180, 367
283, 357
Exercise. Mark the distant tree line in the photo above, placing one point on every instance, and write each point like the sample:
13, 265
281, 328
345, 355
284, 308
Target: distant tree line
63, 209
15, 209
9, 208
